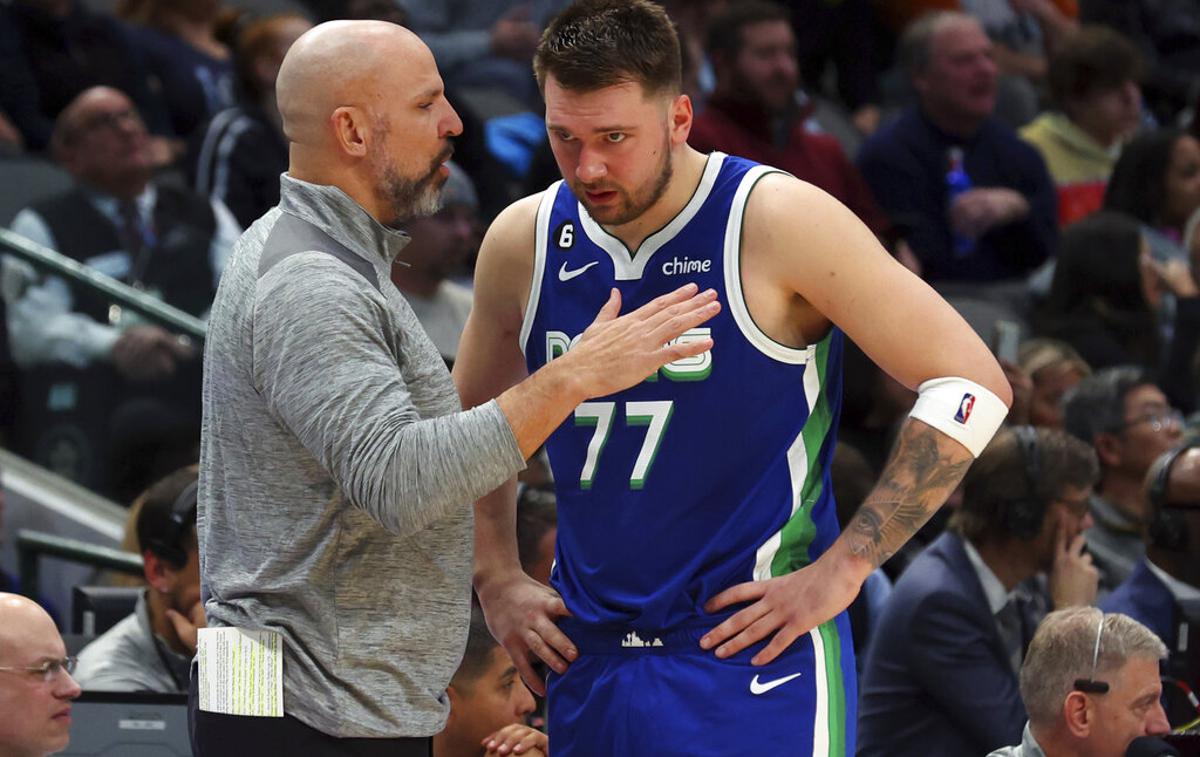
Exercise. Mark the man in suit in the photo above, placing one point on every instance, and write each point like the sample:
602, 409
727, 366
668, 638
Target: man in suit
1163, 592
942, 677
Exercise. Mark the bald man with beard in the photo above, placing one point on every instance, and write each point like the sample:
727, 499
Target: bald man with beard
337, 466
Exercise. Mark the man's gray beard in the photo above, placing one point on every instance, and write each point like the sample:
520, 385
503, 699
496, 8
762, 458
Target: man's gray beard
411, 198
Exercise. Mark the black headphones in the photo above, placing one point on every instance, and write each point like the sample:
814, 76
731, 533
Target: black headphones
1166, 528
181, 518
1024, 515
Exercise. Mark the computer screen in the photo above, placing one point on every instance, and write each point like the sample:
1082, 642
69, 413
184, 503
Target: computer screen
120, 724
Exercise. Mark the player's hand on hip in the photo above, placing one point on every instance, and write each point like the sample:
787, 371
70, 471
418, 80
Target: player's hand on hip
787, 606
618, 351
521, 613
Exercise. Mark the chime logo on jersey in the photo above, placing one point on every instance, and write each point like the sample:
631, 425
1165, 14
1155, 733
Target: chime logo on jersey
964, 408
675, 266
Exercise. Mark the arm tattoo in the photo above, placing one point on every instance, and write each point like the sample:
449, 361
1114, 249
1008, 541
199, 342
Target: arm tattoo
922, 472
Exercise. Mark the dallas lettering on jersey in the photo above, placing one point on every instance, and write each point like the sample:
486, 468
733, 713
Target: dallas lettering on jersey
694, 368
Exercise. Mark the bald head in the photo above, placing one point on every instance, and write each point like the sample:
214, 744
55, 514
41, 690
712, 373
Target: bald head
20, 619
35, 707
364, 109
344, 63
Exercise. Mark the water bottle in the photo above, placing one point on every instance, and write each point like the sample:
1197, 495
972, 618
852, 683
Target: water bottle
957, 182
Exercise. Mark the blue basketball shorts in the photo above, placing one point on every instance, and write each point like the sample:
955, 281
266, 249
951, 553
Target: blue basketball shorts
633, 693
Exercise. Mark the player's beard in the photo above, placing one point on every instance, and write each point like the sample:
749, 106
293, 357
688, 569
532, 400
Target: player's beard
629, 206
409, 197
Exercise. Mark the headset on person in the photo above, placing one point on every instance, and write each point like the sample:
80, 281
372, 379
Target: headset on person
1024, 515
1166, 528
181, 517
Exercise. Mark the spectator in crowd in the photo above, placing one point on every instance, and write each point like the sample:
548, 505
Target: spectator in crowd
537, 531
955, 623
1025, 33
242, 151
753, 111
1129, 422
36, 687
193, 70
1090, 684
975, 201
1163, 591
1093, 79
54, 49
1107, 301
485, 45
439, 247
1053, 368
152, 649
1167, 33
167, 241
1157, 181
845, 34
488, 703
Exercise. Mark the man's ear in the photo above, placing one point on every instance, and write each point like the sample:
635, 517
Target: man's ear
351, 130
1109, 449
156, 572
1077, 714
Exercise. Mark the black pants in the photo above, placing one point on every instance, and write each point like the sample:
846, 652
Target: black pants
215, 735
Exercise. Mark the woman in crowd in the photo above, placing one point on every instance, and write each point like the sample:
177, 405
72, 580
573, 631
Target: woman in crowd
1115, 304
1157, 181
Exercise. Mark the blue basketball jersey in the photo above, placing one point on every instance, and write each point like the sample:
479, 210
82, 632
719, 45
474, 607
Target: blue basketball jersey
713, 471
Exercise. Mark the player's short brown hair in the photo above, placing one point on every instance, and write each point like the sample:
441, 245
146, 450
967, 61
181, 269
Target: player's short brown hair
599, 43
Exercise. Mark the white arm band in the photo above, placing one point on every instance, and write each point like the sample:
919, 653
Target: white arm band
965, 411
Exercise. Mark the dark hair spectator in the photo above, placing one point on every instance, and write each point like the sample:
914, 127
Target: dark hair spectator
1167, 33
238, 155
1106, 297
999, 481
51, 50
1094, 76
1095, 59
1157, 180
151, 649
754, 113
193, 68
1129, 422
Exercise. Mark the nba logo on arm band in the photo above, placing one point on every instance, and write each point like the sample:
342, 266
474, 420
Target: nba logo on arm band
964, 408
965, 411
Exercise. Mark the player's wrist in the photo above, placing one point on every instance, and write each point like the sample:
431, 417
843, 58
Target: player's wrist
489, 580
846, 567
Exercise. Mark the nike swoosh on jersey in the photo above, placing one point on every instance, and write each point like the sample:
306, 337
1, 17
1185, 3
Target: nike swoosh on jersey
757, 688
565, 275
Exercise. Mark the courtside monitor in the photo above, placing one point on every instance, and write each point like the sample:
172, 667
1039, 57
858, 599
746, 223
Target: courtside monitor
126, 724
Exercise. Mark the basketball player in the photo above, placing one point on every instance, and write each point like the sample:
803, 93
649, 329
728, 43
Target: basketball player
700, 581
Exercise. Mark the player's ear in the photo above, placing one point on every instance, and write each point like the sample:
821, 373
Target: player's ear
681, 119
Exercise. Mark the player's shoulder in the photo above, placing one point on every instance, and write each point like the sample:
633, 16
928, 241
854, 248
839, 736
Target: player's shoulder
780, 196
517, 221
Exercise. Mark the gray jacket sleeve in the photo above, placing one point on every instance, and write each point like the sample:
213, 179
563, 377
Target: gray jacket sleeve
325, 366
